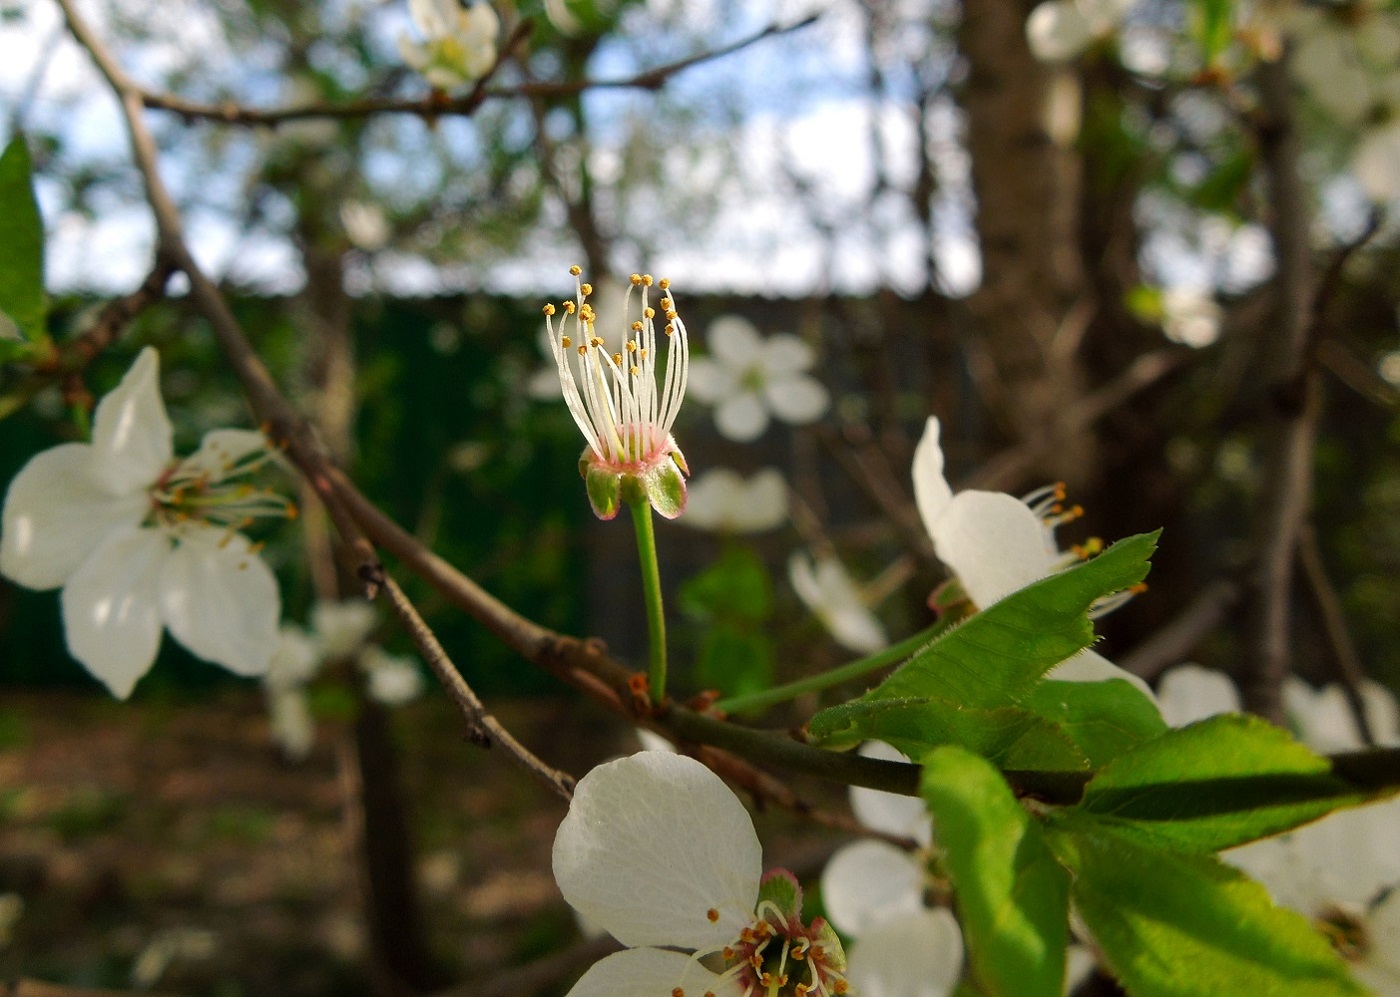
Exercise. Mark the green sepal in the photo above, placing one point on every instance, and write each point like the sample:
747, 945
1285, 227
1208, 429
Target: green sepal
823, 934
22, 299
664, 486
781, 888
604, 487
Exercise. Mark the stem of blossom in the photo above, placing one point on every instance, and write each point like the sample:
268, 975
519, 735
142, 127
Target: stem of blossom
651, 592
836, 676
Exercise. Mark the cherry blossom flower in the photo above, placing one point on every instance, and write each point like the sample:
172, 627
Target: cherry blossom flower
1060, 30
1187, 693
615, 401
827, 590
140, 542
1324, 719
995, 544
658, 851
748, 378
723, 501
459, 43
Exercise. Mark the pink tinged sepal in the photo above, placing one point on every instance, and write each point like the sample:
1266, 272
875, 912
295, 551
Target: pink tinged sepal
604, 487
664, 486
780, 888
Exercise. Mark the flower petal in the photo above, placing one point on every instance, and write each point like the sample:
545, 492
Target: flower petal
296, 660
1057, 32
786, 354
341, 627
709, 381
1188, 693
220, 450
650, 973
797, 400
891, 813
221, 601
289, 716
111, 607
741, 418
993, 543
913, 955
131, 434
652, 843
832, 597
56, 515
870, 881
932, 493
1090, 666
734, 341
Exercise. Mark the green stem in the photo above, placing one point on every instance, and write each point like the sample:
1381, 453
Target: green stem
845, 673
651, 593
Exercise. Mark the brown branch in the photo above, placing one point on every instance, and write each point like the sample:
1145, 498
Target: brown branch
1334, 626
438, 104
38, 988
1172, 644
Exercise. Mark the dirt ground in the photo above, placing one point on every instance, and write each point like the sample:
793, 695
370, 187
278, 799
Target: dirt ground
166, 844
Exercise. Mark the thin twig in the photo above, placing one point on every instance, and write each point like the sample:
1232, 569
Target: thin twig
1173, 644
1334, 625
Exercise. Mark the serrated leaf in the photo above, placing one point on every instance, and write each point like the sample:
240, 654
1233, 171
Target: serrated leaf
998, 655
21, 243
1218, 783
735, 660
1101, 719
1011, 893
1171, 924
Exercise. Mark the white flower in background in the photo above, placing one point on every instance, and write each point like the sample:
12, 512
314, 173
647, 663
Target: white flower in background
1343, 55
392, 679
612, 394
1325, 721
826, 590
341, 628
1187, 693
459, 43
747, 378
609, 312
658, 851
1190, 316
284, 688
167, 947
874, 891
725, 502
1060, 30
141, 542
1376, 162
365, 224
11, 909
995, 544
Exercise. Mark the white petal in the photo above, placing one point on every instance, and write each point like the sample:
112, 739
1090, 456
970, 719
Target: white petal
221, 449
710, 382
1380, 967
869, 881
1057, 31
932, 492
1353, 854
741, 418
720, 499
296, 660
1272, 861
341, 627
993, 543
428, 17
289, 716
111, 607
1090, 666
650, 973
1188, 693
890, 813
1323, 717
131, 434
1382, 712
415, 55
798, 399
1376, 163
221, 601
1080, 962
392, 679
914, 955
765, 502
734, 341
832, 597
56, 515
786, 354
653, 842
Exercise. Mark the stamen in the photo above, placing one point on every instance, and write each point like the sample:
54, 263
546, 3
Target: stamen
575, 270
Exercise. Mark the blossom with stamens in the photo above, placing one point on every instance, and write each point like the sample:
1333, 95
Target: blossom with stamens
658, 851
612, 393
995, 543
141, 542
459, 43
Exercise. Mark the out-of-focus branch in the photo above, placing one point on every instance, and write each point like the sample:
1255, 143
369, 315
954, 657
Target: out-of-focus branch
1172, 644
438, 104
1334, 626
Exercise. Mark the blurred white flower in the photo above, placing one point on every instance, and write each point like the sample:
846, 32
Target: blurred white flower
1190, 316
747, 378
1187, 693
141, 542
1376, 162
1059, 30
392, 679
167, 947
609, 311
827, 590
1344, 55
995, 544
723, 501
656, 850
289, 719
1325, 721
341, 628
365, 224
459, 43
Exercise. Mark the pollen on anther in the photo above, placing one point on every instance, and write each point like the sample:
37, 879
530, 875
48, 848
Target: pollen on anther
664, 283
646, 279
634, 370
650, 312
636, 279
583, 349
712, 914
549, 309
637, 326
595, 341
586, 289
617, 359
575, 270
565, 342
570, 307
678, 992
631, 346
670, 329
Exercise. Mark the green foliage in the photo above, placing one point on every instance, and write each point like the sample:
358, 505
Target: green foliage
732, 600
22, 298
1215, 784
1176, 925
1012, 895
1212, 27
981, 684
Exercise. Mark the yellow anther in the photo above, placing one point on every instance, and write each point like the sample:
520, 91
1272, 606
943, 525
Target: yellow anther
712, 915
634, 370
586, 289
565, 342
664, 283
575, 269
549, 309
646, 279
583, 349
636, 279
617, 359
650, 313
570, 307
595, 341
670, 329
637, 326
631, 346
642, 353
671, 315
665, 304
678, 992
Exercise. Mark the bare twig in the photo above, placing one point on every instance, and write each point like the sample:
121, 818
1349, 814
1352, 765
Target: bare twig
1334, 625
1172, 644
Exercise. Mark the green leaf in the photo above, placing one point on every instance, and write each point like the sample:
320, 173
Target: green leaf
21, 243
1102, 719
1011, 893
734, 660
1215, 784
1176, 925
997, 656
737, 586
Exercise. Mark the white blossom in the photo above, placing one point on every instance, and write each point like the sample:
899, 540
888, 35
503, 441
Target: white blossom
1187, 693
1190, 316
725, 502
391, 679
1060, 30
459, 44
827, 590
748, 378
140, 542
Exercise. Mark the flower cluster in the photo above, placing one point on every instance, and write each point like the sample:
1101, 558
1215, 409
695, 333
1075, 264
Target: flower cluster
748, 378
725, 502
612, 394
459, 43
141, 542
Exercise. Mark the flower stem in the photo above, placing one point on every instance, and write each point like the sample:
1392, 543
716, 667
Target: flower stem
651, 593
844, 673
